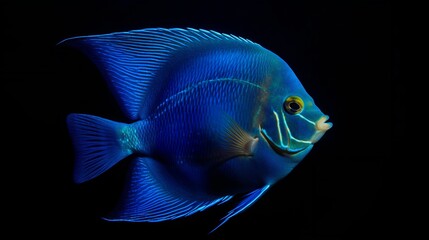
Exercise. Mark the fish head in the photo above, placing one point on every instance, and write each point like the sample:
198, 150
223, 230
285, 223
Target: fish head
292, 122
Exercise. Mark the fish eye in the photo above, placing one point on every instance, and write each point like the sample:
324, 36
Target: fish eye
293, 105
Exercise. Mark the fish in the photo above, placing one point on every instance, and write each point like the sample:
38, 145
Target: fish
210, 117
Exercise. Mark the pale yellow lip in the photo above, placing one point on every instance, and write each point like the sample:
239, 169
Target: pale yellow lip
322, 125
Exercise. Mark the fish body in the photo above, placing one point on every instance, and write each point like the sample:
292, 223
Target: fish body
212, 116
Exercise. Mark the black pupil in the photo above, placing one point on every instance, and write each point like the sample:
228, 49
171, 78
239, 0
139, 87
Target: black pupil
294, 106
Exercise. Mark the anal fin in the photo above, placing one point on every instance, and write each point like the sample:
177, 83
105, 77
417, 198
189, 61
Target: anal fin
149, 199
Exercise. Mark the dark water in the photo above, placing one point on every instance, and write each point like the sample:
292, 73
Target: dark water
345, 54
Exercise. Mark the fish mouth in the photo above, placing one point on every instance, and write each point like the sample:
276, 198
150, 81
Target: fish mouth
282, 151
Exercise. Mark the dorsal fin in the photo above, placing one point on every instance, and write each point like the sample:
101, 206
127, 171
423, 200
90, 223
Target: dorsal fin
133, 62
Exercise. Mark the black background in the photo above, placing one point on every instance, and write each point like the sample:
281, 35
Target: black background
345, 54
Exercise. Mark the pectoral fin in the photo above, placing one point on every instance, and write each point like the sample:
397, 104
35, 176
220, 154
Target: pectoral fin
235, 141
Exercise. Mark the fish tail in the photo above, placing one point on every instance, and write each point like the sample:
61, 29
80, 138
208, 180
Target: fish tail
97, 145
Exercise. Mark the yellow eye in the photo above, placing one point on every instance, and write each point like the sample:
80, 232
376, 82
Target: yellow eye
293, 105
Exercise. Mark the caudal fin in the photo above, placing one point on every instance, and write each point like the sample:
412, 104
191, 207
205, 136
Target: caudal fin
96, 143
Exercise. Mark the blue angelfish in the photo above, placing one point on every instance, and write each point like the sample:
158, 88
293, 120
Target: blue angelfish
211, 117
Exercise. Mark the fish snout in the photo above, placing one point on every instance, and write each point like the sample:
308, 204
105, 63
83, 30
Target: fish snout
321, 127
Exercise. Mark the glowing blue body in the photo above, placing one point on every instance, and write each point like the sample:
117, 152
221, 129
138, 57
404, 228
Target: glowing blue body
211, 116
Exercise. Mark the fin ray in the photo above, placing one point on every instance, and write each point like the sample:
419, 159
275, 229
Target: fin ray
248, 200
